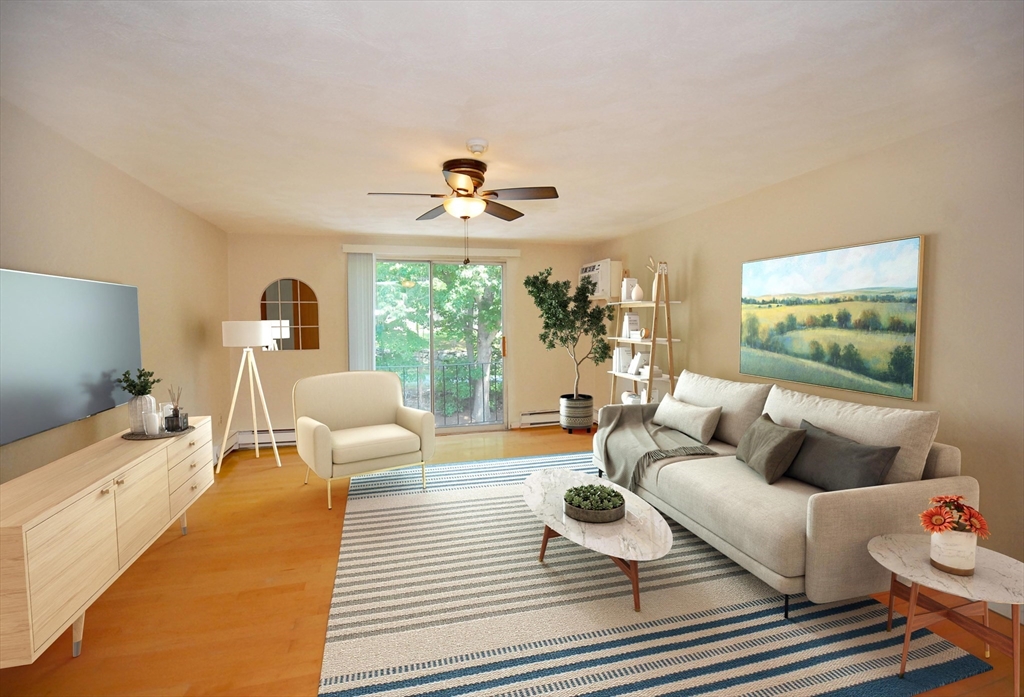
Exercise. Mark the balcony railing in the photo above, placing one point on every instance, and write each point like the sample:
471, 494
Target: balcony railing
466, 395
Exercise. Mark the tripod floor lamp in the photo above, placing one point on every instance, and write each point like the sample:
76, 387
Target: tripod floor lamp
245, 335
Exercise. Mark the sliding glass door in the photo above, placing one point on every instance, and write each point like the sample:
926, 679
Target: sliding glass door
439, 327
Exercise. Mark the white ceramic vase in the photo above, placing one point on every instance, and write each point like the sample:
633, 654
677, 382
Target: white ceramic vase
138, 406
654, 287
638, 293
954, 552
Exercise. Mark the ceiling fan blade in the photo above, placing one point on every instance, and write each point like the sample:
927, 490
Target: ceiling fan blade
504, 212
524, 193
432, 213
394, 193
459, 182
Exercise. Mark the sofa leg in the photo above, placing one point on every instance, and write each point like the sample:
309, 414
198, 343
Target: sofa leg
329, 496
785, 611
307, 476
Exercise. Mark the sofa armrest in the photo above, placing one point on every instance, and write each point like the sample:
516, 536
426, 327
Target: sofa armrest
609, 414
314, 444
421, 423
840, 524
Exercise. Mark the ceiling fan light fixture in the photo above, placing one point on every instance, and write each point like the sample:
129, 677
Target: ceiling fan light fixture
464, 206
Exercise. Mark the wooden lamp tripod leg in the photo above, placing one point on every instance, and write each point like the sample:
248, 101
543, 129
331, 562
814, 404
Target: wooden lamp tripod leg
252, 402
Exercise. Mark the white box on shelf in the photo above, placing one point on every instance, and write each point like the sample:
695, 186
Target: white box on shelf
606, 274
626, 289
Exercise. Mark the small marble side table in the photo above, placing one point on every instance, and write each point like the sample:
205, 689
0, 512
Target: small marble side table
997, 579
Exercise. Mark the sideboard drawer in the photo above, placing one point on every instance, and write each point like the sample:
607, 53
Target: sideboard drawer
188, 466
71, 555
187, 444
192, 488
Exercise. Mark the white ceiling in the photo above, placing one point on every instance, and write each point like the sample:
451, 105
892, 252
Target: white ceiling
279, 117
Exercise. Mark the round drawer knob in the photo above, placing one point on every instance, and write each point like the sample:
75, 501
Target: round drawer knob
105, 491
193, 465
191, 443
118, 482
194, 487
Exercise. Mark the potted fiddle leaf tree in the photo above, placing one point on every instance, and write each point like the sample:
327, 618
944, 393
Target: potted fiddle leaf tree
567, 318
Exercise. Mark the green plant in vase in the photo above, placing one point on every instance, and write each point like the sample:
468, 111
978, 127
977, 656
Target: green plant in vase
142, 401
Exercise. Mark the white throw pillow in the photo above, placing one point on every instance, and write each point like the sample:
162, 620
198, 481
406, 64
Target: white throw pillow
913, 431
741, 402
697, 422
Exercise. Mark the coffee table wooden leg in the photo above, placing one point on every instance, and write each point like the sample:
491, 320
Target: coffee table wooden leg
984, 616
1015, 619
634, 576
548, 534
892, 599
914, 590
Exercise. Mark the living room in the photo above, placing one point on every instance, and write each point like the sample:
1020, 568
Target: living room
200, 152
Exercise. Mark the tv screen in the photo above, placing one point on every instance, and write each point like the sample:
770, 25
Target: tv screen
63, 342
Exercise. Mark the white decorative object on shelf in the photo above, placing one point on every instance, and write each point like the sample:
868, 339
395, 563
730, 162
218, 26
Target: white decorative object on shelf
630, 323
630, 398
636, 364
626, 290
637, 293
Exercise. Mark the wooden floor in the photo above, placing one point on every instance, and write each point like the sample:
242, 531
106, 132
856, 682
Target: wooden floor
239, 606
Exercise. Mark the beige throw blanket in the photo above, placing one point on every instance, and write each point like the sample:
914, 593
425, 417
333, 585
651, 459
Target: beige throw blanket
629, 442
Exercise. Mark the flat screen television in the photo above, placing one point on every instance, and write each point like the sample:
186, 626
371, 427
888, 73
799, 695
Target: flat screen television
63, 342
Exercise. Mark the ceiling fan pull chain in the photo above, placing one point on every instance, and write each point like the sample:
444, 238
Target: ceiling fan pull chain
465, 222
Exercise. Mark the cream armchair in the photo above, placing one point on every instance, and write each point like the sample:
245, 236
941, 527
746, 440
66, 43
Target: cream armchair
355, 423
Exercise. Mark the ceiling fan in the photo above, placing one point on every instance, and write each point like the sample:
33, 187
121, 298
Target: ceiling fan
465, 178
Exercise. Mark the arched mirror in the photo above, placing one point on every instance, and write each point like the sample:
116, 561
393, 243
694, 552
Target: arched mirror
291, 305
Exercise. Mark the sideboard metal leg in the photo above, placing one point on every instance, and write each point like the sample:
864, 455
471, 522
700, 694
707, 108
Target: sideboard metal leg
184, 523
77, 629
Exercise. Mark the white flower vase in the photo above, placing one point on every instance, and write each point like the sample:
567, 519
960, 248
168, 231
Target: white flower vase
138, 406
638, 293
953, 552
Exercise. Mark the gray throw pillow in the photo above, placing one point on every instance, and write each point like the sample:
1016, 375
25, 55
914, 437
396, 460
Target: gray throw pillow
697, 422
768, 448
832, 463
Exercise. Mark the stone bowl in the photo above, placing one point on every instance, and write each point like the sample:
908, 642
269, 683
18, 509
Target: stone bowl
585, 515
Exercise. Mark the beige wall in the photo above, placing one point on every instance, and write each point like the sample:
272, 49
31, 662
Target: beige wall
962, 188
536, 377
65, 212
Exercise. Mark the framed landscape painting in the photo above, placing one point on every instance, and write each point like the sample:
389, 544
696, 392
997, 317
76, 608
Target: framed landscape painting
844, 318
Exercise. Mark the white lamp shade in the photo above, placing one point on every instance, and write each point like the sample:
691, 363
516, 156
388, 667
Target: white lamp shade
244, 334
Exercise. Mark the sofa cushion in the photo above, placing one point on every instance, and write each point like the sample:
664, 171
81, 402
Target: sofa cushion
768, 448
835, 463
372, 442
912, 430
741, 402
697, 422
767, 523
649, 478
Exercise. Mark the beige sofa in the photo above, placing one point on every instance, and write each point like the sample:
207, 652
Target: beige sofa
793, 536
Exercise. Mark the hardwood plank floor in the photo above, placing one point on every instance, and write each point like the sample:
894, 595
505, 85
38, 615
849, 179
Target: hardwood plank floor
239, 606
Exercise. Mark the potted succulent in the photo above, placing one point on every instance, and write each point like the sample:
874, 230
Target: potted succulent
567, 319
594, 503
142, 401
955, 529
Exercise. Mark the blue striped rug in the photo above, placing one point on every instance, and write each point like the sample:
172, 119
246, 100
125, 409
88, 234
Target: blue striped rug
441, 593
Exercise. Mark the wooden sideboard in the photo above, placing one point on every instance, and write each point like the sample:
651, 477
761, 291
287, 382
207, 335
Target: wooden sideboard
70, 528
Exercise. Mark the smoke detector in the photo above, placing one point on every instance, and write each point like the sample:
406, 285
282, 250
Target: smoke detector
477, 146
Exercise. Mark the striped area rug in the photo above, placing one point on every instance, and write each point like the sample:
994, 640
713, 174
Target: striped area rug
441, 593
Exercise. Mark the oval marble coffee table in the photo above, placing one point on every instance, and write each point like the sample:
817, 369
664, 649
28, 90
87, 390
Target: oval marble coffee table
997, 579
642, 535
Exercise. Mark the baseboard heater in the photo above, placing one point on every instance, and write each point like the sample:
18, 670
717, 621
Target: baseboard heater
535, 419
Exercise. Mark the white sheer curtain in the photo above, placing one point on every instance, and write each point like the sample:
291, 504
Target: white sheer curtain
361, 281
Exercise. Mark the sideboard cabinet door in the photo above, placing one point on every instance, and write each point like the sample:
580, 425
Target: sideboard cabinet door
71, 555
143, 505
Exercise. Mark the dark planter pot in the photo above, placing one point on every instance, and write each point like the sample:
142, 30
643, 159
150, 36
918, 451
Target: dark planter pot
587, 516
576, 412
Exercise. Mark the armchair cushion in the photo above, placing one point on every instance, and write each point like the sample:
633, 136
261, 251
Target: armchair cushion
371, 442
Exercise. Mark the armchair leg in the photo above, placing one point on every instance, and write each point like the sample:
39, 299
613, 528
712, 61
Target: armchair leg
423, 467
307, 476
328, 494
